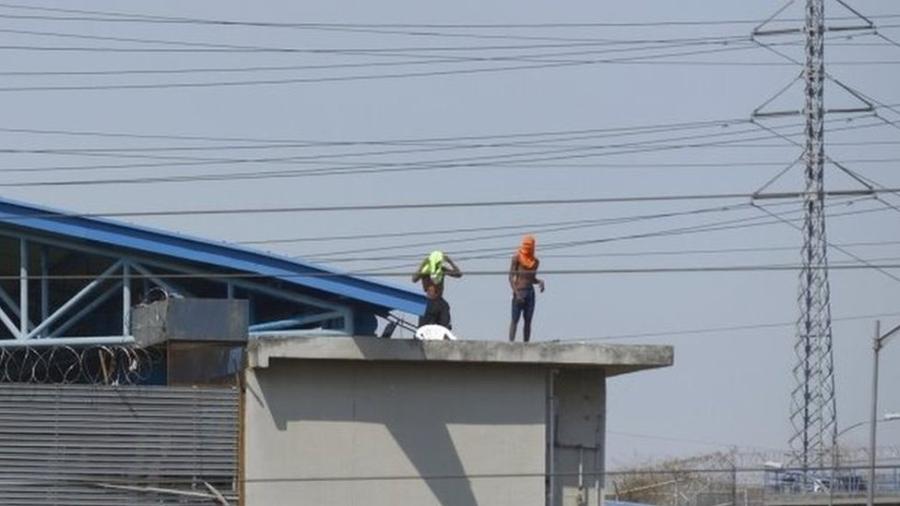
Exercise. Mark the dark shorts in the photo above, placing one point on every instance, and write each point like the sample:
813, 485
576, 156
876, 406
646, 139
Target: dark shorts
437, 312
523, 304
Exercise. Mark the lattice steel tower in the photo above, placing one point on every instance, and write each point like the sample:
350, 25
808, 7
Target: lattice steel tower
813, 408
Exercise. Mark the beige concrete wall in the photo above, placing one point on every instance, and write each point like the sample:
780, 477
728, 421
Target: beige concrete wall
388, 433
579, 446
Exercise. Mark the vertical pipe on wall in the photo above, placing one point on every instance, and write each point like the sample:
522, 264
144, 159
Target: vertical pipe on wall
582, 493
550, 438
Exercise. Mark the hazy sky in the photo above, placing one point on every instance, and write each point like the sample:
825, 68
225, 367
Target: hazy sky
404, 102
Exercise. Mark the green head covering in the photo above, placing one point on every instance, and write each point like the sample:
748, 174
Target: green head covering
434, 266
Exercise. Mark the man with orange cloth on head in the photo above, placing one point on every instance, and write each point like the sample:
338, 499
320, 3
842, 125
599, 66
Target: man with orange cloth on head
522, 278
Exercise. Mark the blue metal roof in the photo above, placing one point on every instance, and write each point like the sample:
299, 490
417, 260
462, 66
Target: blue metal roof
179, 247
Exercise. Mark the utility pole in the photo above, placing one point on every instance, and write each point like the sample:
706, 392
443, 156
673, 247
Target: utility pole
877, 343
876, 347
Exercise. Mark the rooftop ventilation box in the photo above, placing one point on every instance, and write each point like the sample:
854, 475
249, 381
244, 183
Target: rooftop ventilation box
188, 319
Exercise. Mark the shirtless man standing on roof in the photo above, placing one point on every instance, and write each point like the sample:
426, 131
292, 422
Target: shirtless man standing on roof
522, 278
431, 272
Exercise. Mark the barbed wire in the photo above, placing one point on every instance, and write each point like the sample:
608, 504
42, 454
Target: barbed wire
97, 364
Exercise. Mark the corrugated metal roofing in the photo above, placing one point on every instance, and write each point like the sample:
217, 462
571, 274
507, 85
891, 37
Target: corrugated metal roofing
179, 247
90, 445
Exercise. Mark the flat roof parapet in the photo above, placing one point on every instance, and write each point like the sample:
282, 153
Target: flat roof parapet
614, 358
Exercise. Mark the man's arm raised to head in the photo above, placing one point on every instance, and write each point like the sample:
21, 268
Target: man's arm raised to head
453, 270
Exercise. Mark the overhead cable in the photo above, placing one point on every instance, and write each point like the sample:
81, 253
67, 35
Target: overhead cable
143, 17
453, 205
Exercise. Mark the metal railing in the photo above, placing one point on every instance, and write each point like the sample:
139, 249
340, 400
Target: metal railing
844, 481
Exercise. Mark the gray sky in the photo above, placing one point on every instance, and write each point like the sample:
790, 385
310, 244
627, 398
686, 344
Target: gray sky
728, 388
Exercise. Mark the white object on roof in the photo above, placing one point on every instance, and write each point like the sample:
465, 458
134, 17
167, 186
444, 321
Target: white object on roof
434, 333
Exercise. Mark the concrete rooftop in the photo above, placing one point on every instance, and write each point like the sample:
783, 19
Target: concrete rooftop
613, 358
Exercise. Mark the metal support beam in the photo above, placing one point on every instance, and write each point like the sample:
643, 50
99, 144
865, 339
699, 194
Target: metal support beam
45, 285
23, 288
142, 264
298, 333
94, 304
68, 341
7, 321
126, 298
349, 325
13, 305
286, 295
138, 261
166, 286
295, 322
75, 299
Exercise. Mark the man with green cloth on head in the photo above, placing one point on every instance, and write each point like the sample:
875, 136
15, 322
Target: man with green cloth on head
431, 272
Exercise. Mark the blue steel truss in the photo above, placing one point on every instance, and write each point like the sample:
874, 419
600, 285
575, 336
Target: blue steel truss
55, 301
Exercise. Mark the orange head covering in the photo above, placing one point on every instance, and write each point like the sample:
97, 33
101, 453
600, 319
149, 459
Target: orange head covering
526, 252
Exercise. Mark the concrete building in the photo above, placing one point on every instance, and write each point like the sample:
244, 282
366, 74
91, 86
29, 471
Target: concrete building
362, 421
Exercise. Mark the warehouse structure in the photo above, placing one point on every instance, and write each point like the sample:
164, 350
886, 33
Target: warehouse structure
67, 280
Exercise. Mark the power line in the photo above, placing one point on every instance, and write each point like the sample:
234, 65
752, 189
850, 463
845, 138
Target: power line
419, 233
562, 153
557, 154
510, 141
594, 223
356, 168
359, 77
367, 51
207, 138
422, 60
632, 254
149, 18
376, 273
842, 250
347, 29
496, 160
455, 205
482, 141
685, 440
728, 328
401, 141
495, 252
542, 63
470, 273
399, 51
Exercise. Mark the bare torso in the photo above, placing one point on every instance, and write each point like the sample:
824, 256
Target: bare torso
520, 278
